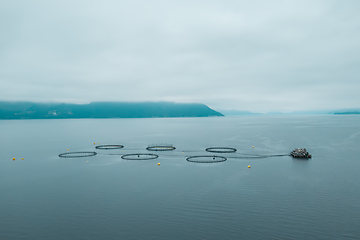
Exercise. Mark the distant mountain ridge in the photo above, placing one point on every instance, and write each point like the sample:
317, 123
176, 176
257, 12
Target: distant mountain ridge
313, 112
346, 113
237, 112
30, 110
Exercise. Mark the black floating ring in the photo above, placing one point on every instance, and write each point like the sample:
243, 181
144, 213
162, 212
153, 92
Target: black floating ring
214, 159
221, 150
77, 154
160, 148
107, 147
139, 156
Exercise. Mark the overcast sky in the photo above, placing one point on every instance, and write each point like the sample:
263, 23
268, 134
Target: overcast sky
259, 56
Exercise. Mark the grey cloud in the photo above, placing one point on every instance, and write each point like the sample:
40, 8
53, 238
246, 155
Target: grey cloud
250, 55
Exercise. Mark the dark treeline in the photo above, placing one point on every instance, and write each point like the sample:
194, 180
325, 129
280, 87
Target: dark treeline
30, 110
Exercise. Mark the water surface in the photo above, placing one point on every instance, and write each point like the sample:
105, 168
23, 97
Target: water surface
105, 197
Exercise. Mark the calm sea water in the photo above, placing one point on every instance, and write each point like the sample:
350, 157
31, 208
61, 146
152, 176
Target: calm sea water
105, 197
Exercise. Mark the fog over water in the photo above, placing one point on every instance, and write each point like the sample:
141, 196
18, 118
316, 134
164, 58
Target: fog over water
260, 56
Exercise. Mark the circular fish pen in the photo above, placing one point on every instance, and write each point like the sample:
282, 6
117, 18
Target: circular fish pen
206, 159
139, 156
77, 154
221, 150
109, 147
161, 148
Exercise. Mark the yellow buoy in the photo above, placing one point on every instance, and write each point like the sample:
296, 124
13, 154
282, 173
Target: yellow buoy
98, 143
158, 164
13, 159
22, 158
87, 161
94, 143
67, 149
253, 146
249, 166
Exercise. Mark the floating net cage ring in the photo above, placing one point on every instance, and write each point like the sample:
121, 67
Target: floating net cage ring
107, 147
139, 156
77, 154
206, 159
221, 149
161, 148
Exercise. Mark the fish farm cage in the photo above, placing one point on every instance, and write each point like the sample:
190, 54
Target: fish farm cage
139, 156
77, 154
162, 148
109, 147
221, 149
206, 159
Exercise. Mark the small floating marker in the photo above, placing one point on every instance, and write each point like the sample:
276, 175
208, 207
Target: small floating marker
13, 159
158, 164
67, 149
253, 146
22, 158
98, 143
249, 166
94, 143
87, 161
